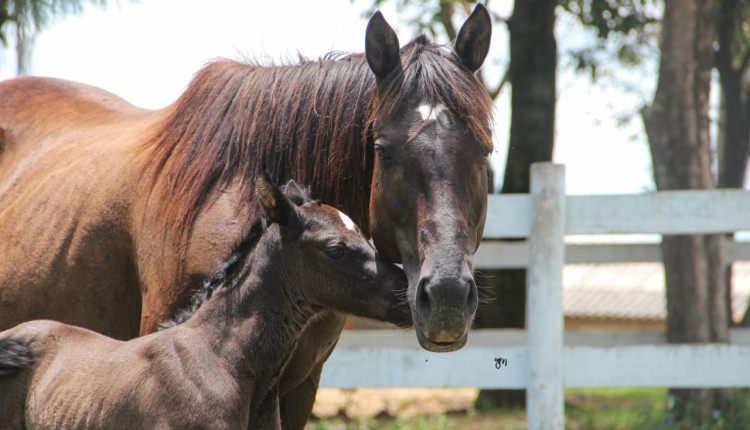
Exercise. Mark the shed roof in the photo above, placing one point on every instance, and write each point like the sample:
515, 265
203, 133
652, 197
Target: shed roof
632, 291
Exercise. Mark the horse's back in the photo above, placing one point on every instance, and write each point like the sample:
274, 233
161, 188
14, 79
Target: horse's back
59, 100
34, 108
69, 176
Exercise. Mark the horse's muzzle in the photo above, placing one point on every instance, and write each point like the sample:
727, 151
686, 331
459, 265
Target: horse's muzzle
445, 309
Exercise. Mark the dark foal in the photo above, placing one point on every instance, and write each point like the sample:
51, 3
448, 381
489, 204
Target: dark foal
224, 362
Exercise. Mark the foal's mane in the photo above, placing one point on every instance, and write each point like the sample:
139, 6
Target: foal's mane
310, 121
222, 278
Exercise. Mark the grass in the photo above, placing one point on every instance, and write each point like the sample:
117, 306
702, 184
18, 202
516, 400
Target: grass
646, 409
585, 409
614, 408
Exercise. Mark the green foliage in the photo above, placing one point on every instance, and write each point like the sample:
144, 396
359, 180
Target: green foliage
623, 32
34, 15
626, 31
614, 16
740, 40
26, 18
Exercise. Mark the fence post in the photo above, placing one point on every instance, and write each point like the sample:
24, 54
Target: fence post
544, 316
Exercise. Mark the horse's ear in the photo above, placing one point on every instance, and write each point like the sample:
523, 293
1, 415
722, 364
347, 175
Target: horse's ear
381, 46
278, 207
295, 193
473, 41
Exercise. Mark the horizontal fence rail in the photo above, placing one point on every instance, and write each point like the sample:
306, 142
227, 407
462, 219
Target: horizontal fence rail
503, 254
664, 212
496, 359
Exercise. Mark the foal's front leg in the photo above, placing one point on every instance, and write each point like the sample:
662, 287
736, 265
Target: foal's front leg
296, 405
300, 378
265, 415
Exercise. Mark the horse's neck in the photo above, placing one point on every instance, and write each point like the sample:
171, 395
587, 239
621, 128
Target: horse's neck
255, 324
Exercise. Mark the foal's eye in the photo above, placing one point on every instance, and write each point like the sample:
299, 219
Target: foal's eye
336, 251
382, 152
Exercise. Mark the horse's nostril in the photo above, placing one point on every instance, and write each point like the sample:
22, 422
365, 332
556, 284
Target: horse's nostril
446, 296
424, 305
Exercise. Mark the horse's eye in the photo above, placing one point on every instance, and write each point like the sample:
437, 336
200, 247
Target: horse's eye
382, 152
336, 252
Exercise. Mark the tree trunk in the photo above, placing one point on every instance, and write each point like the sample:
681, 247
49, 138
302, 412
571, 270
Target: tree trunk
735, 112
678, 128
533, 68
533, 64
734, 118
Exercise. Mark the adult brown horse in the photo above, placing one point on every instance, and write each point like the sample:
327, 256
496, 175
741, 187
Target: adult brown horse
111, 215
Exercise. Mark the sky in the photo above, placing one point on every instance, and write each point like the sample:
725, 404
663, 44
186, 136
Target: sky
147, 52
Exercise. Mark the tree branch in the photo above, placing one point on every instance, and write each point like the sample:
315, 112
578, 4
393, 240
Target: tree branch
745, 62
499, 88
445, 17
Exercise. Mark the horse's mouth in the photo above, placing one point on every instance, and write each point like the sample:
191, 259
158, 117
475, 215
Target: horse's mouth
429, 345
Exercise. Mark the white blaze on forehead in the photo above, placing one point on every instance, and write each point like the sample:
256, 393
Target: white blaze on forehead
430, 113
348, 223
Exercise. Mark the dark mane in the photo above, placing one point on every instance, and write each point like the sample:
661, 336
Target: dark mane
308, 121
223, 278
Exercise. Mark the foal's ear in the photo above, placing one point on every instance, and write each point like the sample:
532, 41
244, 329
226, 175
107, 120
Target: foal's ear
473, 41
295, 193
278, 207
381, 46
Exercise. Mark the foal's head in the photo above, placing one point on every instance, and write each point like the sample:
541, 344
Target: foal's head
326, 259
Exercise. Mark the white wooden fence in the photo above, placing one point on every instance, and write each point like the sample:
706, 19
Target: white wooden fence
542, 358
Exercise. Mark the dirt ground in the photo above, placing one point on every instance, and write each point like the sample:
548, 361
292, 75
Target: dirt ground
393, 402
442, 409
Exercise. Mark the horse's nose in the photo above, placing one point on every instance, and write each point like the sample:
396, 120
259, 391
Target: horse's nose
446, 306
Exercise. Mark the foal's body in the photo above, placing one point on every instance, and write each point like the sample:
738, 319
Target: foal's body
182, 374
214, 370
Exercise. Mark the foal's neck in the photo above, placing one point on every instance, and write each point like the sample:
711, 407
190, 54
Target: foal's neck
254, 322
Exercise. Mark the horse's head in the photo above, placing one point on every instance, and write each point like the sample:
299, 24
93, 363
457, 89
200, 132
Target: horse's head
328, 260
431, 133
